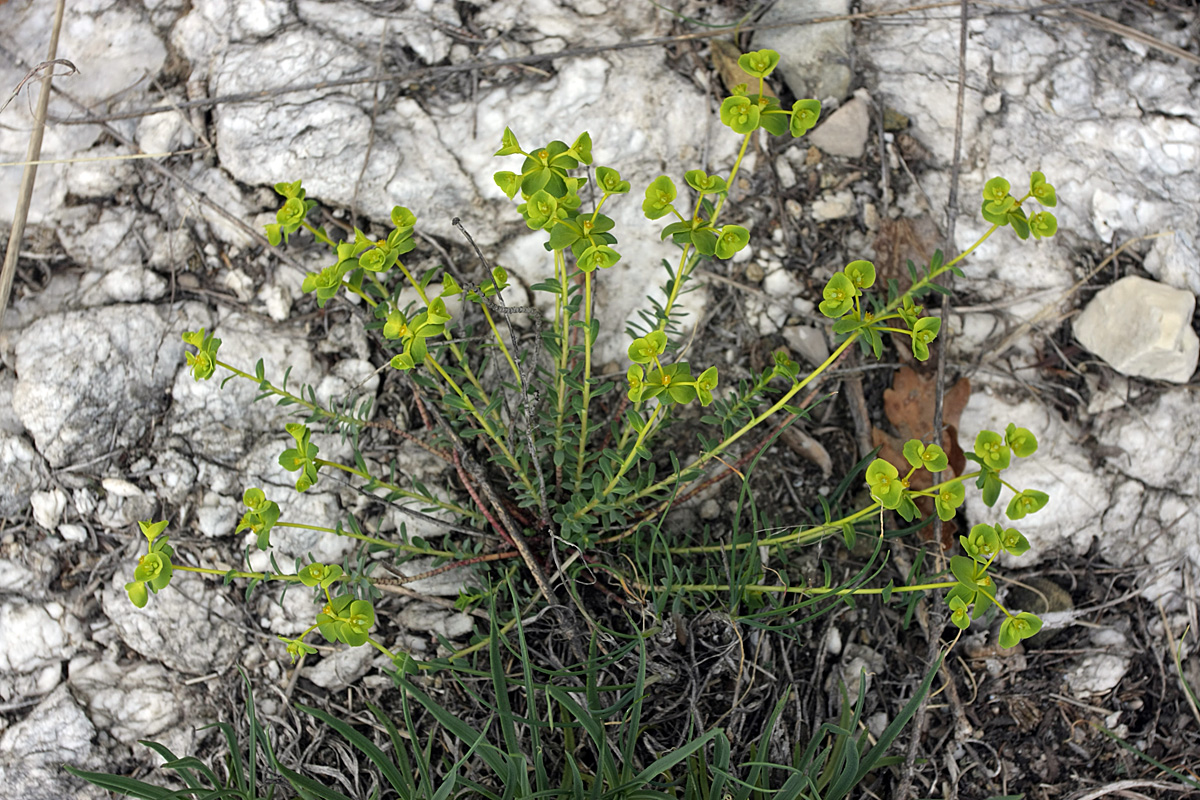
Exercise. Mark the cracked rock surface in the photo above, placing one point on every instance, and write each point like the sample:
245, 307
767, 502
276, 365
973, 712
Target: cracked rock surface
101, 424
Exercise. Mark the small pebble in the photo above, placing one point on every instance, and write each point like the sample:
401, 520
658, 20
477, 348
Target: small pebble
754, 273
787, 175
710, 509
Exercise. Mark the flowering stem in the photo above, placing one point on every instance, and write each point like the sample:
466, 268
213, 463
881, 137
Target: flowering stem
800, 590
485, 424
362, 537
391, 487
562, 326
626, 464
267, 386
704, 458
581, 457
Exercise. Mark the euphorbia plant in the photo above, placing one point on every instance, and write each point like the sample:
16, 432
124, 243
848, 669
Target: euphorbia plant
554, 460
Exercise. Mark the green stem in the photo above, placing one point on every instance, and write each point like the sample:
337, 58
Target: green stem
587, 377
732, 175
798, 536
262, 576
362, 537
500, 340
704, 458
800, 590
267, 386
461, 359
391, 487
319, 235
627, 463
562, 325
485, 424
684, 270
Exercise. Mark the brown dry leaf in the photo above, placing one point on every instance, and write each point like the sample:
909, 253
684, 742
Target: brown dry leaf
807, 448
908, 405
725, 56
899, 240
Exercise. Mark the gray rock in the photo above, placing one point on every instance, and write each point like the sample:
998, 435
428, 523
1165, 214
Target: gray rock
96, 179
35, 639
174, 474
858, 664
844, 132
8, 420
1159, 446
808, 343
445, 584
224, 423
428, 618
835, 205
814, 59
22, 472
217, 186
48, 507
105, 687
184, 626
343, 667
16, 577
33, 751
1142, 329
1173, 260
115, 48
104, 369
1099, 673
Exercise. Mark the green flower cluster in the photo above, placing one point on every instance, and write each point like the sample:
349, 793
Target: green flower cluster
672, 383
154, 568
361, 258
552, 202
203, 362
302, 458
261, 517
891, 491
291, 215
413, 333
746, 113
974, 592
843, 301
1001, 208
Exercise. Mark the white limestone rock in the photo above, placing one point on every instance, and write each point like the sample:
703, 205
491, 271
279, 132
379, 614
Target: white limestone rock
101, 174
35, 639
114, 47
433, 619
1142, 329
107, 687
343, 667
